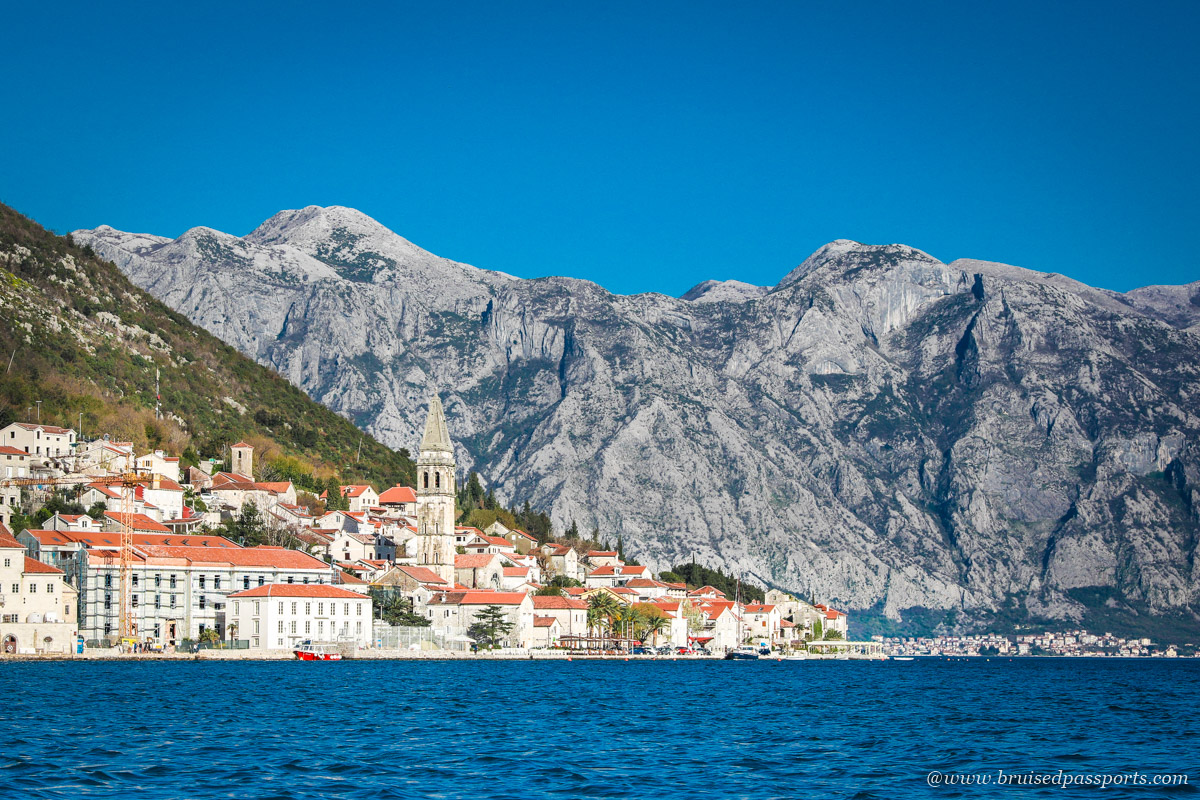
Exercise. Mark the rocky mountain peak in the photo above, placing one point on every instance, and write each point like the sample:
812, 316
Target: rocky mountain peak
845, 258
881, 428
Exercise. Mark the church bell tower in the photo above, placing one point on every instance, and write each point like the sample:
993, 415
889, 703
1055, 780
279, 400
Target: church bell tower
435, 495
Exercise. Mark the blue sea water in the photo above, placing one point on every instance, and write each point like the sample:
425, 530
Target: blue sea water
532, 729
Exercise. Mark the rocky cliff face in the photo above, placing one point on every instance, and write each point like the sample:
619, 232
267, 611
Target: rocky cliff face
880, 428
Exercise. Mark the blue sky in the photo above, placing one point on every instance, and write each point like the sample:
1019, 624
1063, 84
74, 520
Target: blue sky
646, 146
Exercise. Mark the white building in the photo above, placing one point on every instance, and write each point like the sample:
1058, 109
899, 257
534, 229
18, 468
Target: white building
37, 606
360, 497
280, 616
159, 463
41, 440
455, 612
178, 582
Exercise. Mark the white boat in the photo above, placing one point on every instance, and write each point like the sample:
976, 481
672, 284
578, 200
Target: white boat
902, 658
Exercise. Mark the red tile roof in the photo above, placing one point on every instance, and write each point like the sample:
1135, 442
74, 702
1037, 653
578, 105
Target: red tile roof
516, 572
479, 598
544, 622
422, 574
7, 540
355, 489
29, 426
643, 583
550, 601
33, 565
139, 522
523, 533
263, 556
398, 494
602, 554
473, 560
12, 451
299, 590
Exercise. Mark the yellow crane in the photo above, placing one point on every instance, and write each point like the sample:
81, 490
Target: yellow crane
128, 482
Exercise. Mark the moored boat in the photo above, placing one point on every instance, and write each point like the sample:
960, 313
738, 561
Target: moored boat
743, 653
317, 652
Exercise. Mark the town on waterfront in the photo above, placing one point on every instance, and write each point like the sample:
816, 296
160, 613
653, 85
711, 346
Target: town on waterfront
110, 552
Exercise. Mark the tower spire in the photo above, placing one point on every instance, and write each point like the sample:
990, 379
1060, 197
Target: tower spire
437, 436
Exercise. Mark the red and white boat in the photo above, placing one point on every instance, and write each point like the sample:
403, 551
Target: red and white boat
317, 652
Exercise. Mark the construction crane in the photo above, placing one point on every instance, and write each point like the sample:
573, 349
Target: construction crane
128, 481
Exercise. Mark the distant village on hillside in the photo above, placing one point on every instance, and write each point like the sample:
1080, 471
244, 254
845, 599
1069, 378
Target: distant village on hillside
388, 569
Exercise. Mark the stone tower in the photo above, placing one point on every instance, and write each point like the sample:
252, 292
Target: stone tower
243, 459
435, 496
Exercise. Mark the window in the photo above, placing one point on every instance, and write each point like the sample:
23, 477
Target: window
50, 588
426, 480
291, 579
107, 628
157, 603
135, 601
256, 624
172, 581
203, 601
293, 608
216, 581
320, 627
320, 609
281, 607
107, 580
261, 580
8, 562
359, 606
157, 630
135, 579
16, 588
255, 606
32, 587
293, 626
307, 609
307, 626
245, 581
172, 601
347, 609
281, 626
107, 601
256, 641
157, 581
437, 480
306, 580
201, 582
358, 627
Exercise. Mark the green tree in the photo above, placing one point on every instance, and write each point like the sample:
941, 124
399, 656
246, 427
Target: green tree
490, 626
602, 608
395, 609
334, 501
549, 590
248, 528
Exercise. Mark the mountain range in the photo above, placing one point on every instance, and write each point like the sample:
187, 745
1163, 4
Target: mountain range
927, 444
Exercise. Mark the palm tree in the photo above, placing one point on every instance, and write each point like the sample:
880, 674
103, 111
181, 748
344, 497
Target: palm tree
654, 625
626, 616
602, 608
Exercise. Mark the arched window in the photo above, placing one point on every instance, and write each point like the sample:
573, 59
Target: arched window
437, 480
426, 480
